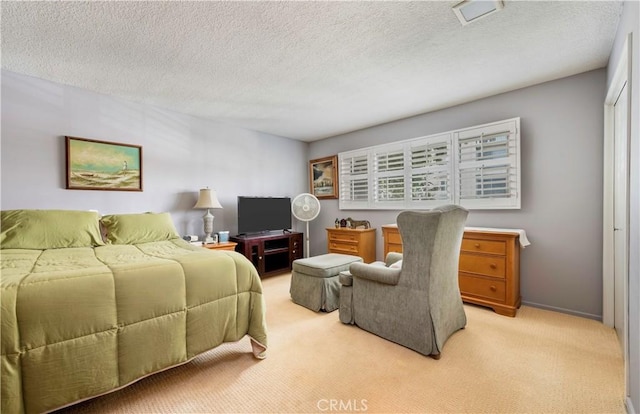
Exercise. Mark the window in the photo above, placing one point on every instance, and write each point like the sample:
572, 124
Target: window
477, 167
430, 171
488, 166
388, 175
354, 179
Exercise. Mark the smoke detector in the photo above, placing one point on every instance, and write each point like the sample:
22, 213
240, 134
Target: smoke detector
471, 10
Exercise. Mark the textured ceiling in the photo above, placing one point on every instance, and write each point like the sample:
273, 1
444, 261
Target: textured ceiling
304, 70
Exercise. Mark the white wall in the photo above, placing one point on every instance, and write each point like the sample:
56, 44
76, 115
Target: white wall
181, 154
562, 126
630, 23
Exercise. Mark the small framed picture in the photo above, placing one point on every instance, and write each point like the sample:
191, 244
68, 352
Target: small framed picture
323, 177
101, 165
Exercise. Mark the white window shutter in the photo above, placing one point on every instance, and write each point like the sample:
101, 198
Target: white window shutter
431, 179
388, 176
477, 167
354, 180
488, 166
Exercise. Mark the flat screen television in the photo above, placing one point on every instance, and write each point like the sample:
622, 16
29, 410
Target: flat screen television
262, 214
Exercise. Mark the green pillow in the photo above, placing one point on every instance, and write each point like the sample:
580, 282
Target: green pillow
49, 229
139, 228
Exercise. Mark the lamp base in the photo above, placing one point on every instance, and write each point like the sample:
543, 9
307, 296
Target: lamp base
208, 240
208, 227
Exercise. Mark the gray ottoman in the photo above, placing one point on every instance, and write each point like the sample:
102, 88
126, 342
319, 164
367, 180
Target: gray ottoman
314, 280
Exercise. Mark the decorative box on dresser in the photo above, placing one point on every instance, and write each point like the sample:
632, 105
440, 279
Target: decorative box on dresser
489, 267
356, 242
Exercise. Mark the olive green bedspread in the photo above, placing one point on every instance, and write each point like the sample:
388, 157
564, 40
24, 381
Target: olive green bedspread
80, 322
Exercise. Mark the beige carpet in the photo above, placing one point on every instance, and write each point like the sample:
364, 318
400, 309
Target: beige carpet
538, 362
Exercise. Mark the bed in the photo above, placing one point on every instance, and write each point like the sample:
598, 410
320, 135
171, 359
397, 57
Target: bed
90, 305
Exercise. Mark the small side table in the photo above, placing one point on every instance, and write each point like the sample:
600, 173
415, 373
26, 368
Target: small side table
221, 246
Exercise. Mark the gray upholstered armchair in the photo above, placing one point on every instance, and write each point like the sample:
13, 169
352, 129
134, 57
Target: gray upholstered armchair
417, 304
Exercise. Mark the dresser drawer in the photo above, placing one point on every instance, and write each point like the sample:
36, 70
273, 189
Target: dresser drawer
484, 265
483, 246
341, 236
395, 248
394, 238
345, 248
481, 287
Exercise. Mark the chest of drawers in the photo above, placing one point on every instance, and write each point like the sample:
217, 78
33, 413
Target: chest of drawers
489, 267
489, 270
356, 242
392, 240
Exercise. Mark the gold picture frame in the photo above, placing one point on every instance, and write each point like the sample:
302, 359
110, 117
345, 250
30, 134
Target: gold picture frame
323, 177
102, 165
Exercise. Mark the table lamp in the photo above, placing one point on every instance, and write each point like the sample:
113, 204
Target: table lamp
207, 199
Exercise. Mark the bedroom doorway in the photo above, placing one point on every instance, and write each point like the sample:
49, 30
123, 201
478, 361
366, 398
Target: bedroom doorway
615, 259
620, 213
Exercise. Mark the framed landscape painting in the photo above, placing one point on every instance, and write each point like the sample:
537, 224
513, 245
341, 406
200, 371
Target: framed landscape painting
101, 165
323, 177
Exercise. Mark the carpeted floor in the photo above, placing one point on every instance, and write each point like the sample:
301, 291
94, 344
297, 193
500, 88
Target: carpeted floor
537, 362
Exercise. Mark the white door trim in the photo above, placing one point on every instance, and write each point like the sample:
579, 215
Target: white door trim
618, 82
620, 78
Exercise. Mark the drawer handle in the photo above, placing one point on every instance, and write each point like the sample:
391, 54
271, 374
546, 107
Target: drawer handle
477, 245
492, 288
493, 266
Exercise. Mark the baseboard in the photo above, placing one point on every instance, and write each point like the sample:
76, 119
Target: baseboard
629, 404
563, 310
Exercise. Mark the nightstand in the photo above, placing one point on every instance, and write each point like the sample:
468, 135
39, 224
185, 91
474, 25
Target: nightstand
221, 246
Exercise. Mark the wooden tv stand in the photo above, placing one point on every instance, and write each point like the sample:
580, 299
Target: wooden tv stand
271, 253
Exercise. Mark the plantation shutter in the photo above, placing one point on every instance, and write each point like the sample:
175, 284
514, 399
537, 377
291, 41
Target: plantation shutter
488, 167
388, 176
431, 171
354, 179
476, 167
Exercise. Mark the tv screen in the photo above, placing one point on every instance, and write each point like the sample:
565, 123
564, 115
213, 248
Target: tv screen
261, 214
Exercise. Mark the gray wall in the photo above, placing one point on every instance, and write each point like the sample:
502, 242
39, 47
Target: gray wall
630, 23
561, 137
181, 154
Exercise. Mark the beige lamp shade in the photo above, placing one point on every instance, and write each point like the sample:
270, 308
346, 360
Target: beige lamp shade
207, 199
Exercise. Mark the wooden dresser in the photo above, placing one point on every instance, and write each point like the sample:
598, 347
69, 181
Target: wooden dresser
489, 267
356, 242
392, 240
